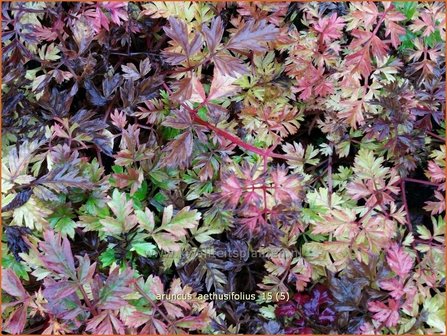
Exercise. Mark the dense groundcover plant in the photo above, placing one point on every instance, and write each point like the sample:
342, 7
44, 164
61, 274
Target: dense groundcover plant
291, 153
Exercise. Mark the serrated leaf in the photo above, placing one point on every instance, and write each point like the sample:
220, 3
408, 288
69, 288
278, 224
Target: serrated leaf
251, 35
144, 249
115, 287
123, 210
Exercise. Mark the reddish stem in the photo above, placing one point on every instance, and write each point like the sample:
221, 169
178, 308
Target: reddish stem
407, 179
428, 242
98, 155
234, 139
231, 137
329, 178
434, 135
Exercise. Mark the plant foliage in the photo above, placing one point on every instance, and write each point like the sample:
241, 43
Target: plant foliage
160, 157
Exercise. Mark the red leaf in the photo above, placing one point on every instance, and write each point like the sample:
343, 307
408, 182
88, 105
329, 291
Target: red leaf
106, 324
85, 270
97, 18
435, 173
179, 150
394, 286
378, 48
394, 31
391, 13
252, 219
231, 190
160, 326
180, 119
178, 31
424, 23
119, 119
353, 112
133, 178
329, 28
438, 206
361, 37
189, 88
17, 319
221, 86
323, 88
287, 187
399, 261
313, 81
367, 12
386, 314
197, 90
194, 322
183, 90
117, 11
361, 61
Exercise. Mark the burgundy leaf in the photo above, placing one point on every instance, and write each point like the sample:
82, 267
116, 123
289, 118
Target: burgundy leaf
117, 284
57, 254
214, 34
11, 284
252, 35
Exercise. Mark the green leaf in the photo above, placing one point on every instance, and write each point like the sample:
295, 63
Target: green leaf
146, 219
204, 233
66, 226
203, 113
407, 40
408, 8
162, 179
169, 132
435, 312
316, 237
184, 219
118, 169
438, 227
107, 257
158, 201
49, 52
174, 227
141, 192
95, 207
424, 232
19, 268
268, 312
433, 39
32, 214
62, 221
122, 209
144, 249
166, 242
368, 166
